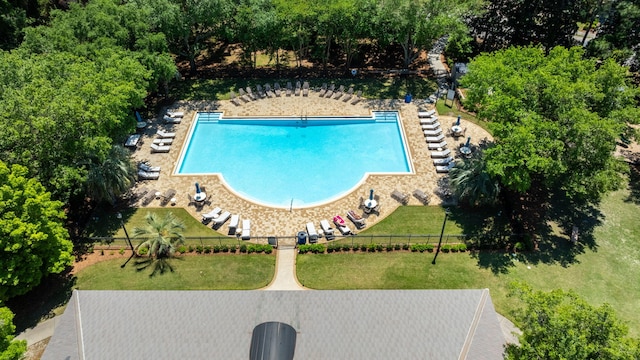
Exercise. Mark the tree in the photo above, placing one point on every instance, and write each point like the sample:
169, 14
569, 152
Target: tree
470, 182
33, 239
161, 235
619, 33
562, 325
10, 349
110, 177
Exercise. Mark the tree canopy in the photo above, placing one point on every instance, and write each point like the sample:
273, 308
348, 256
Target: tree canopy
33, 239
555, 118
561, 325
10, 349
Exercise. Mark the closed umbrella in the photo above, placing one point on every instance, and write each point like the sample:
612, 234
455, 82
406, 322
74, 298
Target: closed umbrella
468, 141
371, 194
458, 121
197, 188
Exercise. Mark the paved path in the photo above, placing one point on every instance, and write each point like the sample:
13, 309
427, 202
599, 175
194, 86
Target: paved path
40, 332
285, 278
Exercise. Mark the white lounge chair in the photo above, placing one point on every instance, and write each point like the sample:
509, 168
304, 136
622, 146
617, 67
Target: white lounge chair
277, 89
313, 234
435, 125
220, 220
327, 229
132, 140
233, 225
443, 161
175, 114
437, 139
165, 141
357, 220
348, 95
323, 90
435, 132
165, 134
445, 168
157, 148
424, 114
427, 121
148, 175
441, 154
339, 92
246, 229
171, 120
401, 197
437, 145
148, 168
329, 92
211, 215
305, 88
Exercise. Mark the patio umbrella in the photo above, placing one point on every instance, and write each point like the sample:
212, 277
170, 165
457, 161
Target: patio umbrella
371, 194
197, 188
468, 141
458, 121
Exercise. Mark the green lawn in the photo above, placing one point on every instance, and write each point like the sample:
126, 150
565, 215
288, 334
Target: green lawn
608, 273
454, 110
205, 272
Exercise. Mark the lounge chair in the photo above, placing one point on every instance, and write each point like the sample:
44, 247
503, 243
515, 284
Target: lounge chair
149, 197
234, 99
425, 114
437, 139
329, 92
327, 229
244, 96
132, 140
420, 195
246, 229
313, 234
167, 196
211, 215
270, 93
167, 141
339, 92
341, 225
357, 220
221, 219
435, 132
427, 121
305, 88
251, 94
175, 114
289, 88
445, 168
298, 88
433, 126
442, 161
357, 98
233, 225
148, 168
323, 90
261, 91
164, 134
401, 197
348, 95
441, 154
171, 120
437, 145
148, 175
155, 148
277, 89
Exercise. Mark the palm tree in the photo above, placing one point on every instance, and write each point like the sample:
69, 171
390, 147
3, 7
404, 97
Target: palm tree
108, 179
161, 237
470, 182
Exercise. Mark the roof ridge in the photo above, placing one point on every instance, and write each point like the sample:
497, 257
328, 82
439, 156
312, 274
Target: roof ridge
474, 324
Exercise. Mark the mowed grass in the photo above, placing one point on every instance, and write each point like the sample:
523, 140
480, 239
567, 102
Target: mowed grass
205, 272
609, 273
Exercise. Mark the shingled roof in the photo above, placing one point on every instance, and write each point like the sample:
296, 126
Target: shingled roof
358, 324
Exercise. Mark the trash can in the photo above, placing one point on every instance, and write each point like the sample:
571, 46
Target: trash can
407, 98
302, 237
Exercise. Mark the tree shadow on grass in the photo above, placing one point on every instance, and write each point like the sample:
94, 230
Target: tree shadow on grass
634, 185
41, 302
157, 266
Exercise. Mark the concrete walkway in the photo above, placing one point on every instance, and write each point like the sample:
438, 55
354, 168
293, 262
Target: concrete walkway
285, 278
40, 332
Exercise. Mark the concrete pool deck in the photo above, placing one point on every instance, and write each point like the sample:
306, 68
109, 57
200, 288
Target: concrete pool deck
267, 221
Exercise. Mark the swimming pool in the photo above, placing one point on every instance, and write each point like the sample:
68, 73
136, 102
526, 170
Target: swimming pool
297, 162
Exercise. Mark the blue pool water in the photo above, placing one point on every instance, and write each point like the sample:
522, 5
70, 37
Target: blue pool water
292, 161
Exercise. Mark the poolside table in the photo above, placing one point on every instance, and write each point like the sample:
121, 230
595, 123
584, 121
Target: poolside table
199, 197
456, 130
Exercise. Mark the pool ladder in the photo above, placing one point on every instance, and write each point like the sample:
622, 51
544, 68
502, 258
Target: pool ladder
304, 120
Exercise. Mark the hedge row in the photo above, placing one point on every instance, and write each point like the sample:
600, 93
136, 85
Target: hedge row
244, 248
320, 248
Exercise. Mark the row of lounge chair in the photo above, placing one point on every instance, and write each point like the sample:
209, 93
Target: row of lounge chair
330, 92
436, 142
148, 172
312, 235
163, 142
404, 198
165, 198
173, 117
247, 95
219, 218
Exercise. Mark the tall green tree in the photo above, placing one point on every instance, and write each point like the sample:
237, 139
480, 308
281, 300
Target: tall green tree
10, 349
561, 325
618, 36
471, 183
160, 237
33, 239
112, 176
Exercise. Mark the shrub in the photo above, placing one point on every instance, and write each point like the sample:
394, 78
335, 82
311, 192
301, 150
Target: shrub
182, 249
303, 249
346, 247
397, 247
363, 247
454, 248
207, 249
462, 247
417, 247
371, 247
268, 249
243, 248
191, 248
519, 246
446, 248
355, 247
121, 251
405, 246
250, 249
224, 248
216, 249
389, 247
430, 247
233, 248
143, 251
199, 249
379, 247
331, 248
317, 248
